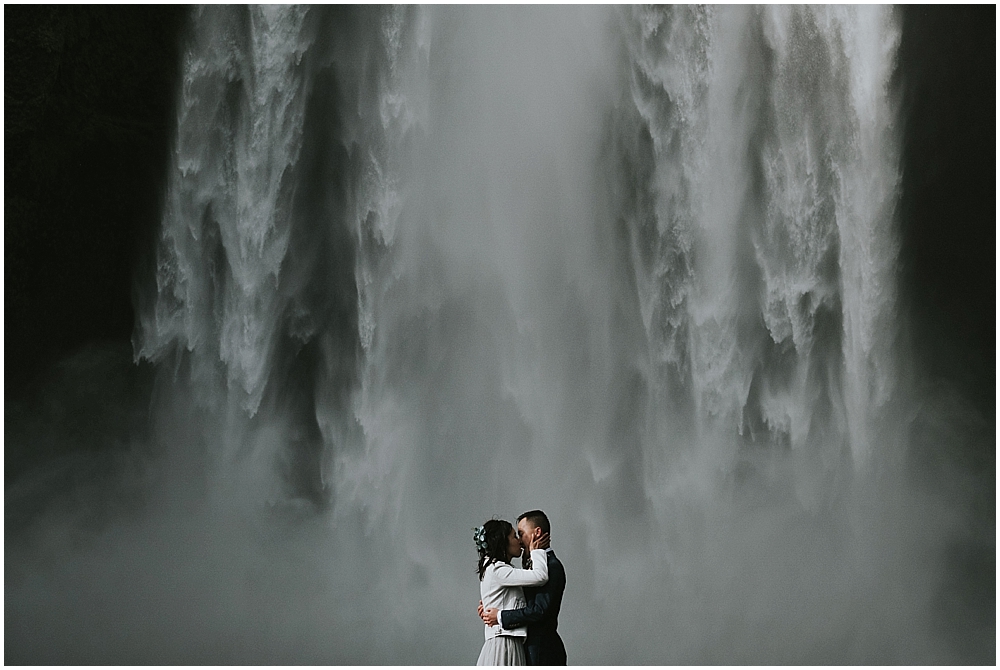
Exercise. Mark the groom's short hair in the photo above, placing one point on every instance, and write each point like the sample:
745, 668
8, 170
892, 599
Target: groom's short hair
536, 518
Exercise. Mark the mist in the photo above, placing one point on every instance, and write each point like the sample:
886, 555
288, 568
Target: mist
422, 266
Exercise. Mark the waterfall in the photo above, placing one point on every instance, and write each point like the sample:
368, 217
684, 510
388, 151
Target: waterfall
419, 266
225, 225
759, 222
764, 250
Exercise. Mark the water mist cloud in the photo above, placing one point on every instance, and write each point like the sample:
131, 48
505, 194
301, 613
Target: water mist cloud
424, 266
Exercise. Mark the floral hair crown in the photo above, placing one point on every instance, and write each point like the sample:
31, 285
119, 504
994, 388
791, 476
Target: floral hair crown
479, 535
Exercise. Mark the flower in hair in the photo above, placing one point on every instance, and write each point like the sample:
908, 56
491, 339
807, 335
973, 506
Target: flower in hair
479, 535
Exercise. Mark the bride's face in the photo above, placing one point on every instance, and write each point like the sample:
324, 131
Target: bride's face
513, 545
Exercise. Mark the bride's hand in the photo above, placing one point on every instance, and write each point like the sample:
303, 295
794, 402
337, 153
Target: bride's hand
540, 542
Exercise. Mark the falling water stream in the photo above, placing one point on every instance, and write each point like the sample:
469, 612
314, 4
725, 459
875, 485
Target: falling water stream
419, 266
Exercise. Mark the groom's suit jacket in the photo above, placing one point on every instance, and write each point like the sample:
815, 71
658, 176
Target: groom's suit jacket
543, 645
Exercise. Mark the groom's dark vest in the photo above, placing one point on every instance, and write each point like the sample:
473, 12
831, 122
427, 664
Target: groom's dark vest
543, 645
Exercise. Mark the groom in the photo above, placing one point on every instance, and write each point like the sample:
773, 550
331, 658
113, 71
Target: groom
543, 645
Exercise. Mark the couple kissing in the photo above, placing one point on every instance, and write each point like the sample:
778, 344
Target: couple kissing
520, 607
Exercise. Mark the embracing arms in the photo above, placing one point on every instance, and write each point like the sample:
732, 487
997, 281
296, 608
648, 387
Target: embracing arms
538, 574
506, 575
544, 606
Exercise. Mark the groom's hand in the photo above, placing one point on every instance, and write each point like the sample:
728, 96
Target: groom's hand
480, 609
490, 616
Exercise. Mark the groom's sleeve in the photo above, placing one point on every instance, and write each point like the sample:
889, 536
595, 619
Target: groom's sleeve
545, 602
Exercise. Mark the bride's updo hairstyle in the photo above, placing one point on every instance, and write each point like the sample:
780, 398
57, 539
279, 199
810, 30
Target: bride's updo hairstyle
491, 541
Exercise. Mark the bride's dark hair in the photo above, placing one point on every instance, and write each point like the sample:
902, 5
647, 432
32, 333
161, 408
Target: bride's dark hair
497, 532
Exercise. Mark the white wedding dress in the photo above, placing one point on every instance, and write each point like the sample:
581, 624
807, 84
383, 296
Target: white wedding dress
501, 589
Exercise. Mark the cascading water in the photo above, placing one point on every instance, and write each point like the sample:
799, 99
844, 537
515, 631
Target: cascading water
422, 266
764, 254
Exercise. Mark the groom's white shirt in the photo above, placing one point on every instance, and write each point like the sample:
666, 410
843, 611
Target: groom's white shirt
501, 588
523, 603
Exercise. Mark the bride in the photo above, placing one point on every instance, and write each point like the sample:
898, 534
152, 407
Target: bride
500, 586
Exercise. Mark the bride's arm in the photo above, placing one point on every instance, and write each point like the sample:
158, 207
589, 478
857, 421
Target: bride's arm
505, 575
537, 575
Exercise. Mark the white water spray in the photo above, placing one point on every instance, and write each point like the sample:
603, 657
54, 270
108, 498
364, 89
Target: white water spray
423, 266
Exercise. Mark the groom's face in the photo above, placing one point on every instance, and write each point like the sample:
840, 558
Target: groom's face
525, 531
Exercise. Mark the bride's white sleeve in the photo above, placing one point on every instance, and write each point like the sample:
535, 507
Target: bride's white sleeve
506, 575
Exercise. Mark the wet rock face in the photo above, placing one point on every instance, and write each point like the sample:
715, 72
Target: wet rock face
89, 113
947, 222
335, 365
89, 95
